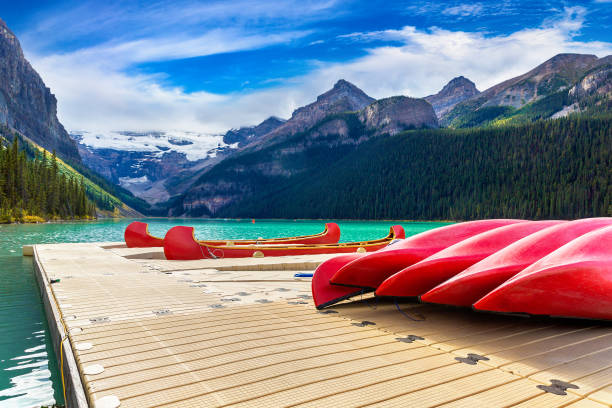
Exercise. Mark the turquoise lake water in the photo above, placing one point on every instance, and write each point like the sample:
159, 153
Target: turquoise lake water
28, 369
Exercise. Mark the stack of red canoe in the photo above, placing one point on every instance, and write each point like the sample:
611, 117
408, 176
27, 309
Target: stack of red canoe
557, 268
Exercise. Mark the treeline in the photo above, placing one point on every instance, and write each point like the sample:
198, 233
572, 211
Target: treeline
34, 189
547, 169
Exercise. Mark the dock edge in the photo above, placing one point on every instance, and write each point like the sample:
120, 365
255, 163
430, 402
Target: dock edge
75, 393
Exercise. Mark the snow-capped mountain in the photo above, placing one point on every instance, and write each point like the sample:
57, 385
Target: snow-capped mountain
143, 162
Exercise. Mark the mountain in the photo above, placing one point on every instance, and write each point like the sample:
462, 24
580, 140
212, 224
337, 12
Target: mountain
335, 124
28, 112
343, 97
153, 165
457, 90
537, 94
246, 135
26, 104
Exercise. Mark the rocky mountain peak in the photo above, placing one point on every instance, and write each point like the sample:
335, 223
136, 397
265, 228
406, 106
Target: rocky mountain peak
459, 85
455, 91
343, 97
26, 104
247, 135
354, 97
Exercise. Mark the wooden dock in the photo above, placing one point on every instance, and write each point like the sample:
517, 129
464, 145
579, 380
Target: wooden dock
144, 332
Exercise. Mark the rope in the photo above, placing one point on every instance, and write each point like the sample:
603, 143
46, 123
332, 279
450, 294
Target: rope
422, 318
366, 301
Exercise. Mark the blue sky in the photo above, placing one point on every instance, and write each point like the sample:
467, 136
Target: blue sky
208, 66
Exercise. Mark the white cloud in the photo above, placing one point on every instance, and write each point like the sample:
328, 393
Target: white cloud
102, 96
464, 10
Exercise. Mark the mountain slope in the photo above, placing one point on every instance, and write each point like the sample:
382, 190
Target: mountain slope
537, 93
26, 104
454, 174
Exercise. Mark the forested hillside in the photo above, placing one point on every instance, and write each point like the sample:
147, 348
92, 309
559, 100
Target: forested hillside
547, 169
36, 190
107, 199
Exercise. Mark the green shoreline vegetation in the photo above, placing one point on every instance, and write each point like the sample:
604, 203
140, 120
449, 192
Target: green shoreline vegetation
35, 190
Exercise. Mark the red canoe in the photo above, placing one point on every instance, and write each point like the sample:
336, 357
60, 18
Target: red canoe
325, 294
479, 279
377, 266
573, 281
137, 235
426, 274
180, 243
371, 270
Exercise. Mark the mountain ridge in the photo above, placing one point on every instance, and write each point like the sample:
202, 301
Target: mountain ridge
551, 77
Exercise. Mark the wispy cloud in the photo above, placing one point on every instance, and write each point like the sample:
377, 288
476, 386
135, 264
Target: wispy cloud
96, 92
464, 10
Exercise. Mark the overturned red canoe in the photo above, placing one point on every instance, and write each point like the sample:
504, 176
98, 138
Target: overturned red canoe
479, 279
325, 294
426, 274
371, 270
573, 281
180, 243
137, 235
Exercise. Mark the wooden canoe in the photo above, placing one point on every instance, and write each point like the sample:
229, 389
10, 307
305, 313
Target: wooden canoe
180, 243
137, 236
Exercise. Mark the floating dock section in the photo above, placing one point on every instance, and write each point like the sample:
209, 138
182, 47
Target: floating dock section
136, 330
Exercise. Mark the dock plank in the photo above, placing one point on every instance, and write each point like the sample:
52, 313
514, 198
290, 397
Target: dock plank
244, 332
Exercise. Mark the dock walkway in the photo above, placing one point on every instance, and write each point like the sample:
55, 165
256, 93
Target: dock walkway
144, 332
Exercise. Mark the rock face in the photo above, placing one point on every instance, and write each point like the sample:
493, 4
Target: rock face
596, 82
343, 97
457, 90
246, 135
26, 104
398, 113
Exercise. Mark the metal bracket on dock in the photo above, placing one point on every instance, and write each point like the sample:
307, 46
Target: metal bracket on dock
162, 312
409, 338
217, 306
103, 319
557, 387
299, 302
471, 359
364, 323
